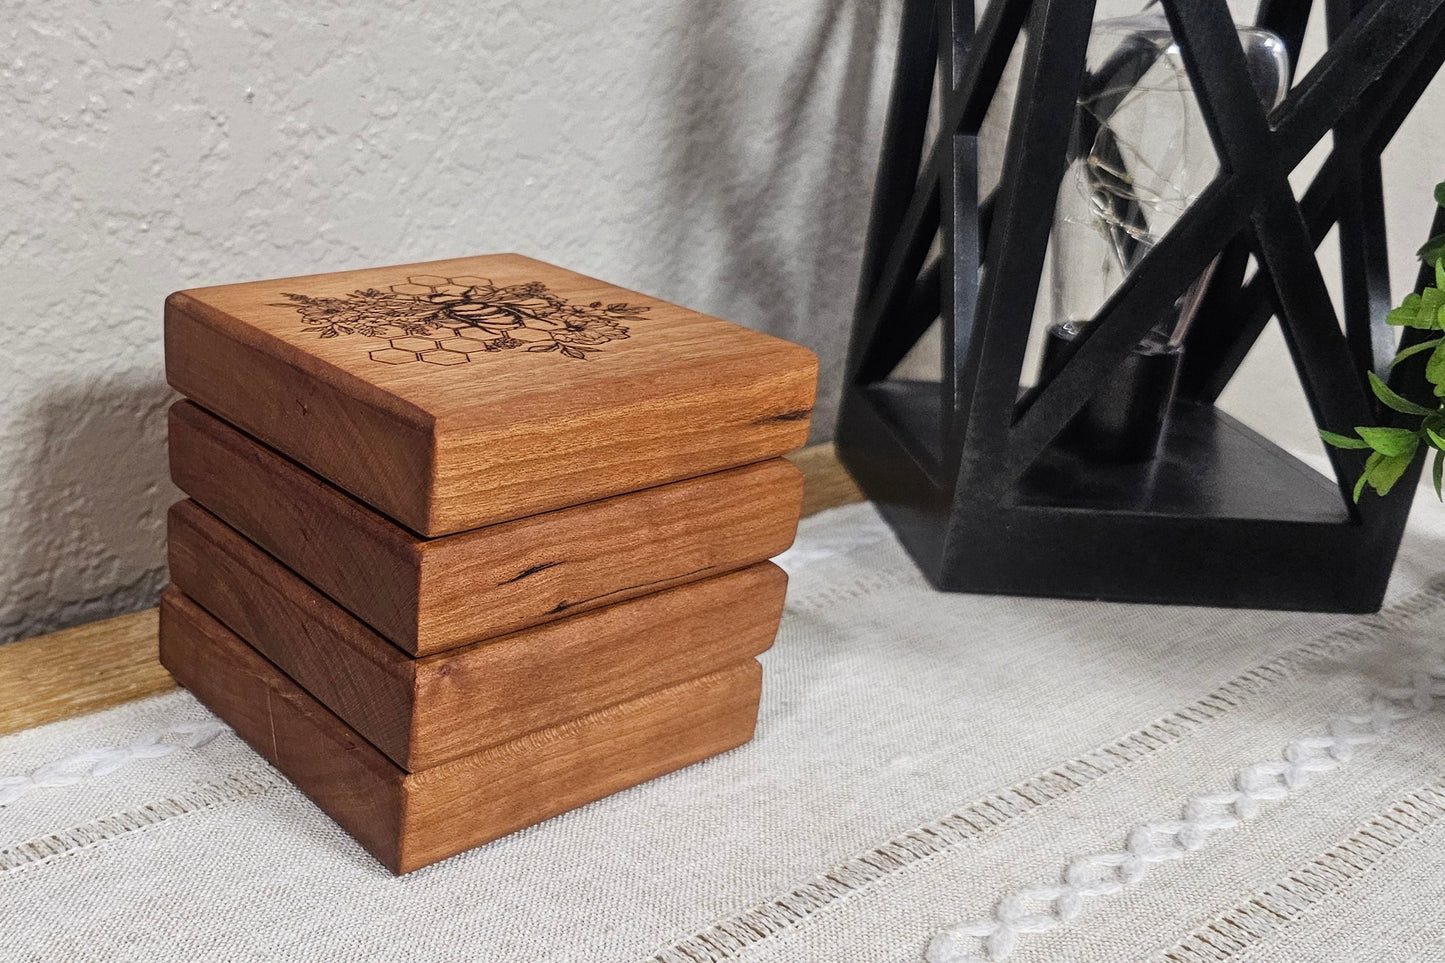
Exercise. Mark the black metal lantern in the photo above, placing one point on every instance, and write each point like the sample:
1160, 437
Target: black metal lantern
974, 474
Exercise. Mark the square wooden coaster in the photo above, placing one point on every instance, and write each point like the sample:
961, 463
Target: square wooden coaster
422, 712
428, 595
456, 394
409, 820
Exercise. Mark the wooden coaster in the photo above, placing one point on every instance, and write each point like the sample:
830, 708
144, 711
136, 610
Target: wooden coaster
422, 712
408, 820
428, 595
456, 394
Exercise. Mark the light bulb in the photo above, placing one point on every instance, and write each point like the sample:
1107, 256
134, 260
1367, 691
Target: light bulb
1140, 156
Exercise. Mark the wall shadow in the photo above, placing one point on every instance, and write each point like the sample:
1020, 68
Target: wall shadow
85, 528
784, 208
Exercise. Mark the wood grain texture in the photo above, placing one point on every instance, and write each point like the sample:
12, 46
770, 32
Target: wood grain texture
429, 595
69, 673
75, 671
422, 712
506, 433
409, 820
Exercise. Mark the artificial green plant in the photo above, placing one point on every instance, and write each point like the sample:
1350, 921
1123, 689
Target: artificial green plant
1393, 449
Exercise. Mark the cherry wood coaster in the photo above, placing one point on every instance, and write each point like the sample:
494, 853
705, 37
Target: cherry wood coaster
409, 820
429, 595
456, 394
422, 712
110, 662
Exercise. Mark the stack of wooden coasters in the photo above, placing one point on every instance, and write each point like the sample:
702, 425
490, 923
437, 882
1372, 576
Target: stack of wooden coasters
474, 542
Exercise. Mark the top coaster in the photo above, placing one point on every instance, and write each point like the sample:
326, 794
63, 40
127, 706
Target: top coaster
455, 394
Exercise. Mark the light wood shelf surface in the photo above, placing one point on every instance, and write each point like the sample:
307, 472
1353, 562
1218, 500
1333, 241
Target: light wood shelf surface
106, 663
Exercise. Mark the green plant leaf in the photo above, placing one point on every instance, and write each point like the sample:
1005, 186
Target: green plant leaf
1404, 315
1435, 439
1435, 367
1440, 272
1421, 310
1415, 349
1370, 465
1439, 471
1388, 471
1432, 300
1343, 441
1440, 193
1391, 442
1392, 400
1432, 250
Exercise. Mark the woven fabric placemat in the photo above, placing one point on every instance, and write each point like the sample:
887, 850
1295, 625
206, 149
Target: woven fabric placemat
966, 777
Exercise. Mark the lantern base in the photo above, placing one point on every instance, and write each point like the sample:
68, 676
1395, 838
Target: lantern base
1219, 517
1125, 419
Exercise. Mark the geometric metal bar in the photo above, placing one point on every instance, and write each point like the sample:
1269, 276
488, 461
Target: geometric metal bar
958, 190
1364, 248
1219, 324
905, 328
904, 130
1218, 327
1360, 56
1288, 20
904, 248
968, 473
1209, 43
1221, 340
1035, 154
1144, 296
1331, 382
1315, 105
915, 237
1232, 111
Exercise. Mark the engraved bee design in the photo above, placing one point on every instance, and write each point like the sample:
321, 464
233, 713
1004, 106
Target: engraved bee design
450, 321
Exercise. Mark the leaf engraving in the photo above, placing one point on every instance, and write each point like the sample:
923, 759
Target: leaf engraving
451, 321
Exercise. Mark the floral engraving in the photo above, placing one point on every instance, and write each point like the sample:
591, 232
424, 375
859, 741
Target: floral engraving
449, 321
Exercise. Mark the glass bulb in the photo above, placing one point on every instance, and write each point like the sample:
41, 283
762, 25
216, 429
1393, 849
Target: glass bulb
1140, 156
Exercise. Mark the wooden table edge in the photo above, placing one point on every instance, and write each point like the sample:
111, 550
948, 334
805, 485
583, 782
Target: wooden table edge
106, 663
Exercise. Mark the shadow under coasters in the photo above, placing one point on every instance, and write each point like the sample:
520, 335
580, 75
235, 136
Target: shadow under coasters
429, 595
408, 820
456, 394
423, 712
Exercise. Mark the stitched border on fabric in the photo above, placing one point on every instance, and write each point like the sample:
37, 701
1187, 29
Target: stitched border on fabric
1310, 885
1054, 902
203, 797
835, 594
725, 939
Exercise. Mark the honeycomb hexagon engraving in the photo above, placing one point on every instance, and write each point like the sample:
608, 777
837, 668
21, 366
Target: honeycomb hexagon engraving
462, 345
444, 357
450, 321
393, 356
420, 290
414, 344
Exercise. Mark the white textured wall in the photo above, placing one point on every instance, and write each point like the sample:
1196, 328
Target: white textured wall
718, 155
